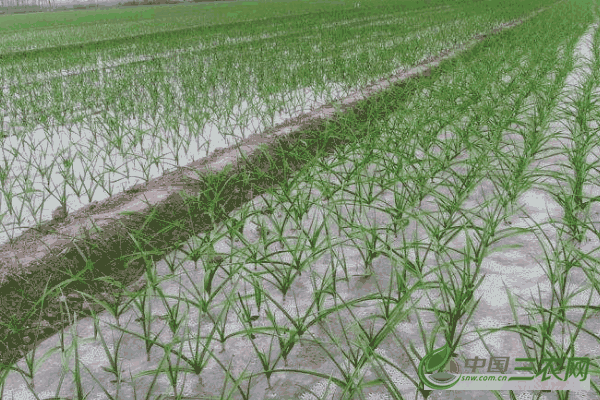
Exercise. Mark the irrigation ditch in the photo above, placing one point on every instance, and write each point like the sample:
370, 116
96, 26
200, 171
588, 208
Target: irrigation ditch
42, 257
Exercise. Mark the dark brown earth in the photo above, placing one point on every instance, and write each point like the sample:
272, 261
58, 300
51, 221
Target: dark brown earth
41, 256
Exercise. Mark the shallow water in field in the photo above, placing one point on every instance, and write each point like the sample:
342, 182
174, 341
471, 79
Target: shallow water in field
84, 144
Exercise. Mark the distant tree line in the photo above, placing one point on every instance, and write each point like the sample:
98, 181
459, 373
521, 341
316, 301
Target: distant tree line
28, 6
18, 6
21, 3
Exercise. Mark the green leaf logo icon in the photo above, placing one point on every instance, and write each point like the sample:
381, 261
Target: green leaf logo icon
436, 361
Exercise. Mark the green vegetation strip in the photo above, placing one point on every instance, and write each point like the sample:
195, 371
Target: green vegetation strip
52, 31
